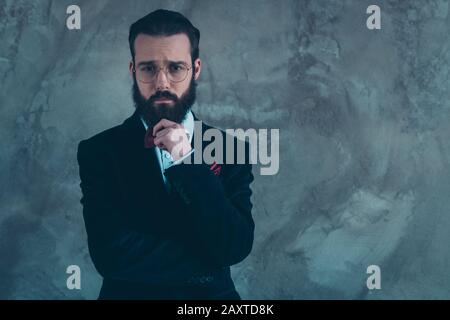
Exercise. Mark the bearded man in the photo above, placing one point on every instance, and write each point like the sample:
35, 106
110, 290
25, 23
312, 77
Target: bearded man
159, 226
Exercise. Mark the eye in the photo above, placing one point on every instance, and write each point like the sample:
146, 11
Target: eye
176, 68
150, 69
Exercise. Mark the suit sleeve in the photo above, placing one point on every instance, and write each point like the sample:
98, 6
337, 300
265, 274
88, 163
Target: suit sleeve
220, 212
115, 248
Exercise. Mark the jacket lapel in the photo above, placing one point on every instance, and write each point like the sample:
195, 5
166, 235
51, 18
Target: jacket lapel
140, 171
146, 200
142, 175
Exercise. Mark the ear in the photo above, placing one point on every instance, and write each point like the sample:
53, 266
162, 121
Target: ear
197, 68
130, 67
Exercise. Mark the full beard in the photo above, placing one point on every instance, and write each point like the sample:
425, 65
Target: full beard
152, 113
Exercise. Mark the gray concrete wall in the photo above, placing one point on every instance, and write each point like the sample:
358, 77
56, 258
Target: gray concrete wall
364, 150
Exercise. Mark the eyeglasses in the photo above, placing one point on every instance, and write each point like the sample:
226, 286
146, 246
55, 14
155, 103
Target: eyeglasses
174, 71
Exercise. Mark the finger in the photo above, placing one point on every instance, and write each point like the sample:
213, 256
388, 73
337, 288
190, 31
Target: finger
169, 136
163, 132
164, 123
159, 142
177, 131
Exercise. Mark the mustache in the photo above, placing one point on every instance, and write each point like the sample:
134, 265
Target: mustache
163, 94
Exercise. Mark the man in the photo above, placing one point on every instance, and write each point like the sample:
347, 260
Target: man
158, 226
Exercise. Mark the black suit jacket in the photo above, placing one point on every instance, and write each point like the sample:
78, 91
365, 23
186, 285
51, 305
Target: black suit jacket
147, 242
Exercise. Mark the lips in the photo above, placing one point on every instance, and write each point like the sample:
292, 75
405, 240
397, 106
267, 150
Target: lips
163, 100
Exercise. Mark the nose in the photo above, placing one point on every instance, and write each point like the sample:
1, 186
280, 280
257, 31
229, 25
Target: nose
162, 83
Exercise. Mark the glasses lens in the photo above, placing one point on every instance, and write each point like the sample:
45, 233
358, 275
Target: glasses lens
177, 72
146, 73
174, 72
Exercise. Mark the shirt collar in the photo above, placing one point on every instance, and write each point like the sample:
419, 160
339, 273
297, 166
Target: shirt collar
188, 124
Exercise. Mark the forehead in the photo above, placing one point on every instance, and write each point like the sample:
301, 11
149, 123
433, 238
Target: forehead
175, 48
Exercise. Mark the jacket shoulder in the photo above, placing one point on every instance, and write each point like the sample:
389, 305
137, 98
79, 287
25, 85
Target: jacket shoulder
101, 139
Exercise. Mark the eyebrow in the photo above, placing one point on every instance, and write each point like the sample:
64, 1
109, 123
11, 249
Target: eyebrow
143, 63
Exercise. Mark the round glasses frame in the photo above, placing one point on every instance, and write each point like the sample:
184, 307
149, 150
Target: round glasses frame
165, 70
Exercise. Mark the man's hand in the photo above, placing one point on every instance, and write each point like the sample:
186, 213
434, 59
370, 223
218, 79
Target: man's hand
171, 136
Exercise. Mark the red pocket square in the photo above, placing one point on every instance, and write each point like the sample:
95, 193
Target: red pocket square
215, 168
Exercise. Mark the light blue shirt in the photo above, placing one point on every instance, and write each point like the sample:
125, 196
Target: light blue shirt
165, 159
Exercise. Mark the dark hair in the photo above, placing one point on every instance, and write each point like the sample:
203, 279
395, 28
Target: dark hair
165, 23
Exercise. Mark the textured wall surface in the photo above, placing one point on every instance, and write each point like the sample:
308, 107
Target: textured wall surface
364, 150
